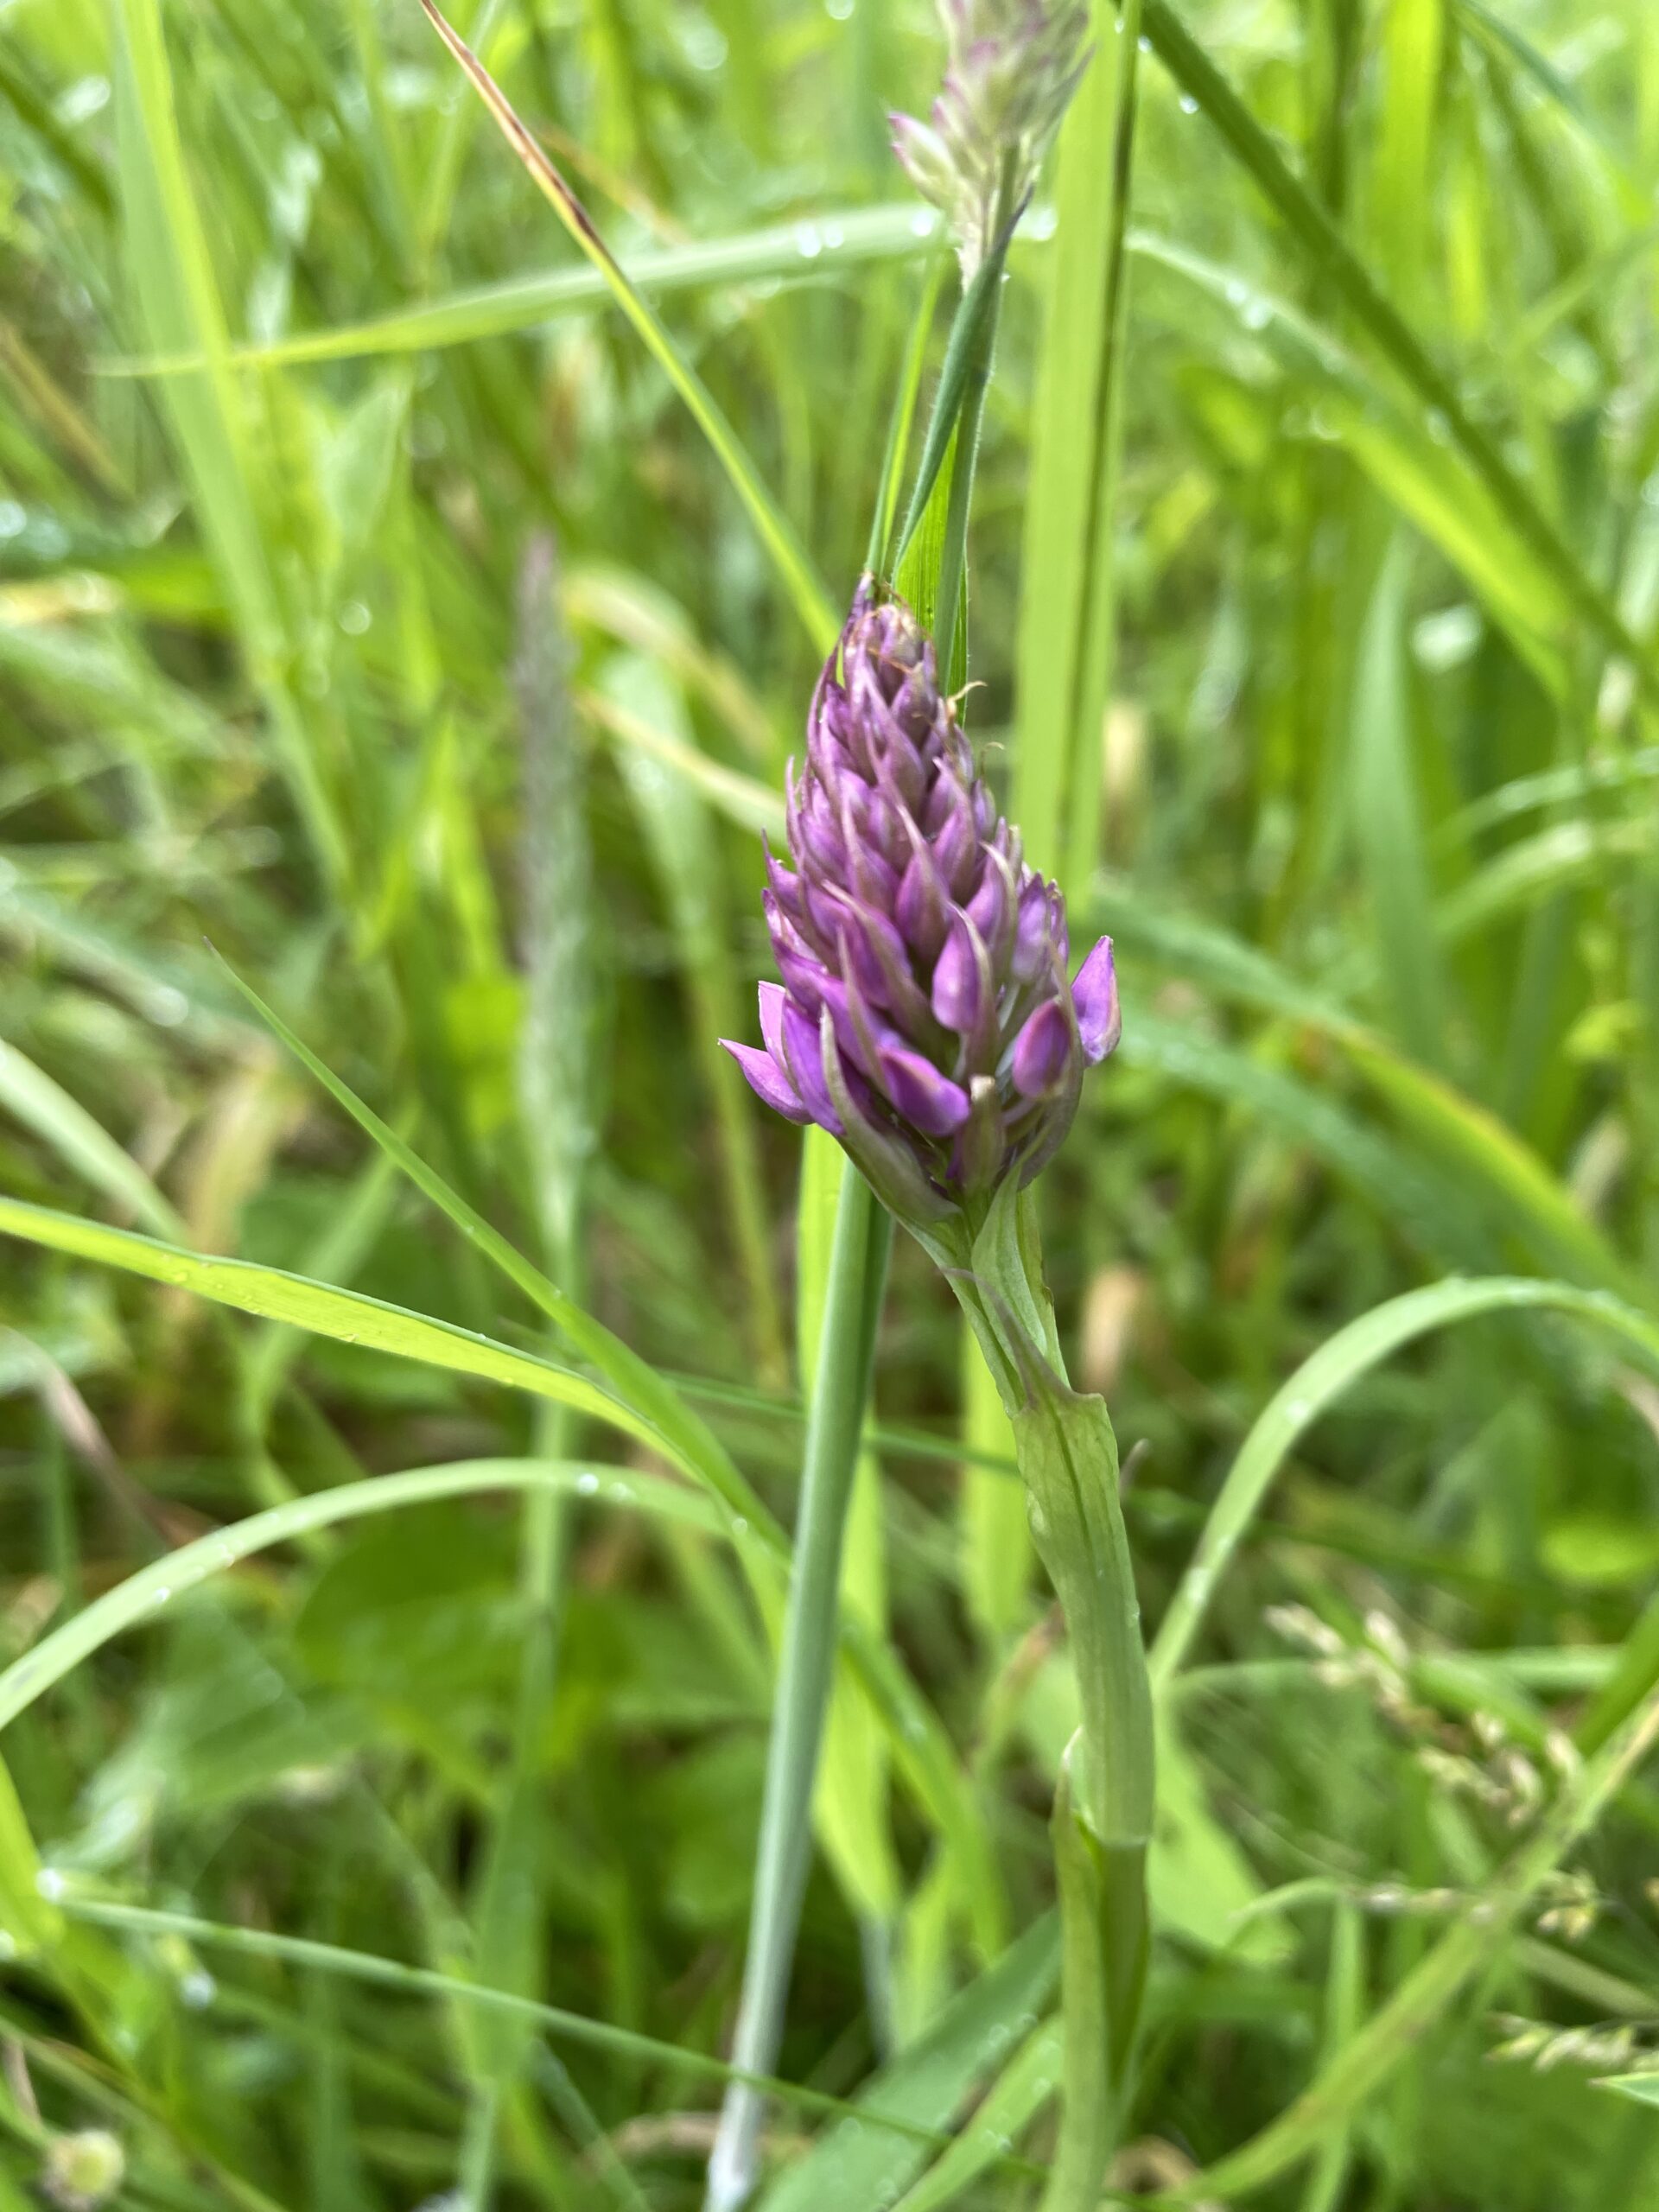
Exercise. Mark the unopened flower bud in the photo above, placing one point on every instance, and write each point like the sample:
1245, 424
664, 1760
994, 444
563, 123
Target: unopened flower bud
1011, 68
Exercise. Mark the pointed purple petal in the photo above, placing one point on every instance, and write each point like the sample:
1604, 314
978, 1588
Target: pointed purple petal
957, 998
1040, 1052
929, 1102
1030, 956
774, 999
1100, 1020
765, 1080
804, 1061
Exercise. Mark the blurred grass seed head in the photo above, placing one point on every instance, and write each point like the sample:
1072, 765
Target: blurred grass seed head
1011, 69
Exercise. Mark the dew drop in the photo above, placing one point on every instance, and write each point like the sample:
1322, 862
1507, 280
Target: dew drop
740, 1526
808, 241
197, 1989
50, 1883
1188, 105
588, 1482
922, 224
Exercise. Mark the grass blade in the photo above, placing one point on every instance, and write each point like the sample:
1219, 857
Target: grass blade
1386, 824
1065, 644
849, 239
43, 1105
1431, 1988
1315, 232
1322, 1378
810, 599
174, 279
847, 1345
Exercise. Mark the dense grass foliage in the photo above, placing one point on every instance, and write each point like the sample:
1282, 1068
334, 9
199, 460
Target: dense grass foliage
380, 626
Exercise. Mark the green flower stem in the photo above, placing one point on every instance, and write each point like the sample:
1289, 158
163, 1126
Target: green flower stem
1103, 1808
858, 1267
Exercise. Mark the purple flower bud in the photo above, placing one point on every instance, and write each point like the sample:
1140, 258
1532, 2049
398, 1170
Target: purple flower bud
924, 1017
1040, 1052
1094, 995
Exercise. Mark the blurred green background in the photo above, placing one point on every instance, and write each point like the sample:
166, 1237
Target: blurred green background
371, 608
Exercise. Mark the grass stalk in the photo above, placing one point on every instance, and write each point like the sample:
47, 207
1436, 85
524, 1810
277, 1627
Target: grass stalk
852, 1304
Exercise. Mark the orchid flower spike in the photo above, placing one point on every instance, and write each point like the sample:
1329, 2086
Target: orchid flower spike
925, 1018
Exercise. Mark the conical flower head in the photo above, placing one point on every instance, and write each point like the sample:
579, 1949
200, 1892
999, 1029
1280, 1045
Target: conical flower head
925, 1018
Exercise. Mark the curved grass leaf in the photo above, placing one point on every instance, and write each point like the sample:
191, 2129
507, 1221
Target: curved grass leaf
1321, 1379
921, 1746
138, 1599
345, 1315
814, 247
1015, 2099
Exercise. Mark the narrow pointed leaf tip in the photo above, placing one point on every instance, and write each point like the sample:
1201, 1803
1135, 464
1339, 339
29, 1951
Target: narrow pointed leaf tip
924, 1017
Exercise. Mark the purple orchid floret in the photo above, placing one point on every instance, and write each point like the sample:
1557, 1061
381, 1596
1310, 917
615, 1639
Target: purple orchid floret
924, 1017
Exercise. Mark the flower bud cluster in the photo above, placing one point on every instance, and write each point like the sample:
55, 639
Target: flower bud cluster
1012, 67
924, 1017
